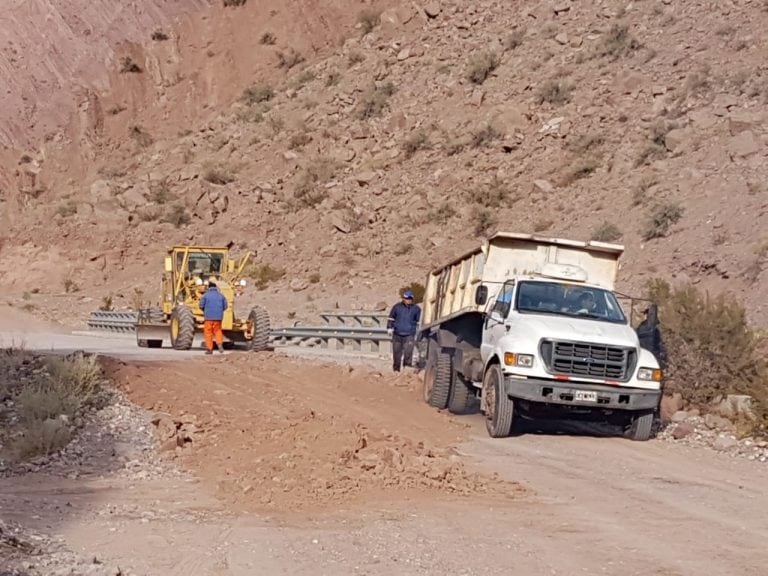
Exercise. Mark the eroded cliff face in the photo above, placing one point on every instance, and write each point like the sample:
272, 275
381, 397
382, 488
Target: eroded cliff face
53, 53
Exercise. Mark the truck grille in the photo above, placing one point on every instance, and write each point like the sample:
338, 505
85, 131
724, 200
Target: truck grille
588, 360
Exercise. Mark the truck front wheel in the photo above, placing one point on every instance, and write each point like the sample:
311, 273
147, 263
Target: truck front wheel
640, 426
437, 376
499, 408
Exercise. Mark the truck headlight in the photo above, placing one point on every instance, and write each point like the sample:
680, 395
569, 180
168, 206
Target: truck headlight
652, 374
522, 360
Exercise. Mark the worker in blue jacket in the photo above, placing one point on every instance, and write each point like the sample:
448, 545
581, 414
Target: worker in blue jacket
402, 324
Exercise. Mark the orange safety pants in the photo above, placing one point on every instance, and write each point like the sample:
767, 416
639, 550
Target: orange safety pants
212, 328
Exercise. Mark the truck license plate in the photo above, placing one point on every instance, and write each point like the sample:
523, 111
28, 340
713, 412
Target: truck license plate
585, 396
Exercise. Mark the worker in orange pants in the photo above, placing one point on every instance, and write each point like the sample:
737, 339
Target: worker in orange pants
212, 329
213, 304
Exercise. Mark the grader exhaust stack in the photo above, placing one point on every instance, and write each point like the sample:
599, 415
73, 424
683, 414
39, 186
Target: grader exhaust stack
187, 271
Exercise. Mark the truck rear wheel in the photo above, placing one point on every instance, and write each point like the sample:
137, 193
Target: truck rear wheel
437, 376
182, 328
499, 408
461, 396
259, 320
640, 426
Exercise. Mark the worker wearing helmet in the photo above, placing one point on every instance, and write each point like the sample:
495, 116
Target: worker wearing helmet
213, 304
402, 324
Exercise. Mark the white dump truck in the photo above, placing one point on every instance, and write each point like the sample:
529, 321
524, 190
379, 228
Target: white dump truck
532, 327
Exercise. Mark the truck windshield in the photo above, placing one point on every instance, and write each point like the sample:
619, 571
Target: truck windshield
568, 300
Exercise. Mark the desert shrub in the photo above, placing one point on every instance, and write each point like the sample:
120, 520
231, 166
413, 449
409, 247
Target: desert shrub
580, 168
554, 91
70, 286
415, 142
711, 349
160, 192
299, 140
618, 42
514, 39
268, 39
368, 21
606, 232
640, 191
661, 219
219, 176
309, 189
67, 209
289, 59
485, 136
441, 214
140, 136
355, 57
333, 78
128, 66
257, 94
314, 278
542, 224
484, 220
228, 3
375, 100
481, 66
494, 195
159, 36
418, 290
106, 304
48, 405
177, 215
263, 274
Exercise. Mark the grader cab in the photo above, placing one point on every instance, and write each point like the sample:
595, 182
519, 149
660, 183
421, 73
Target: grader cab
187, 271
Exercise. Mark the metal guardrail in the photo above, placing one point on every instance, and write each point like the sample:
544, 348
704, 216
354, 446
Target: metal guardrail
348, 333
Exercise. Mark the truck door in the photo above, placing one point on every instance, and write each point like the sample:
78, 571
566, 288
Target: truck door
494, 328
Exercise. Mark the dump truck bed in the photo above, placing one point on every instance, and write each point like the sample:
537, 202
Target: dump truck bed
451, 288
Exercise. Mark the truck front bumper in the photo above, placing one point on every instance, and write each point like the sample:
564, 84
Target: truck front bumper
581, 394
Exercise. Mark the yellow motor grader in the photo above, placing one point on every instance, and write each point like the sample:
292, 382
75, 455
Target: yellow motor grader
187, 271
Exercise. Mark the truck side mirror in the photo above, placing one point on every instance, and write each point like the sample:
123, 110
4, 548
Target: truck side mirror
481, 295
168, 264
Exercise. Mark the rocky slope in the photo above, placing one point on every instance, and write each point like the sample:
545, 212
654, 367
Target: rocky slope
356, 167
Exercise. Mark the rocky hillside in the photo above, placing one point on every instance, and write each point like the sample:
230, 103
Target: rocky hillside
352, 167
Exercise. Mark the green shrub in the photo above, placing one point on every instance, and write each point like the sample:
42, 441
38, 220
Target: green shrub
711, 349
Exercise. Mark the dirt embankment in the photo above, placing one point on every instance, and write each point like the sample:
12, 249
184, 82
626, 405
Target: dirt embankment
280, 434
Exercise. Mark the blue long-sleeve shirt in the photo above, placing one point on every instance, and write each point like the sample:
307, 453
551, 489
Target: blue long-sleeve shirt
404, 319
213, 303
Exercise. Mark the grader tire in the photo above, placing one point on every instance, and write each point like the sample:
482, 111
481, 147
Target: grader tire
182, 328
259, 318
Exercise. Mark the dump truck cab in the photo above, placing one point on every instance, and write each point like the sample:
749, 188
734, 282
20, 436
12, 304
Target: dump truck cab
533, 327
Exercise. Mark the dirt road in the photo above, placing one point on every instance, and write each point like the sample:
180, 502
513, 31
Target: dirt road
300, 468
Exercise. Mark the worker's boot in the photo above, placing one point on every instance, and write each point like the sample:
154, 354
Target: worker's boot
208, 352
221, 348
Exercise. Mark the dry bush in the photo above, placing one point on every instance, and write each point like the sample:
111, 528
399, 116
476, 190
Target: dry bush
542, 224
711, 349
159, 36
484, 220
268, 39
177, 215
514, 39
299, 140
257, 94
757, 263
419, 140
289, 59
160, 192
581, 168
697, 82
606, 232
485, 136
375, 100
586, 143
67, 209
368, 21
263, 274
418, 290
495, 195
70, 286
106, 303
640, 192
309, 189
220, 176
481, 66
48, 406
442, 213
140, 136
355, 57
554, 91
128, 66
228, 3
333, 78
314, 278
618, 42
661, 219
